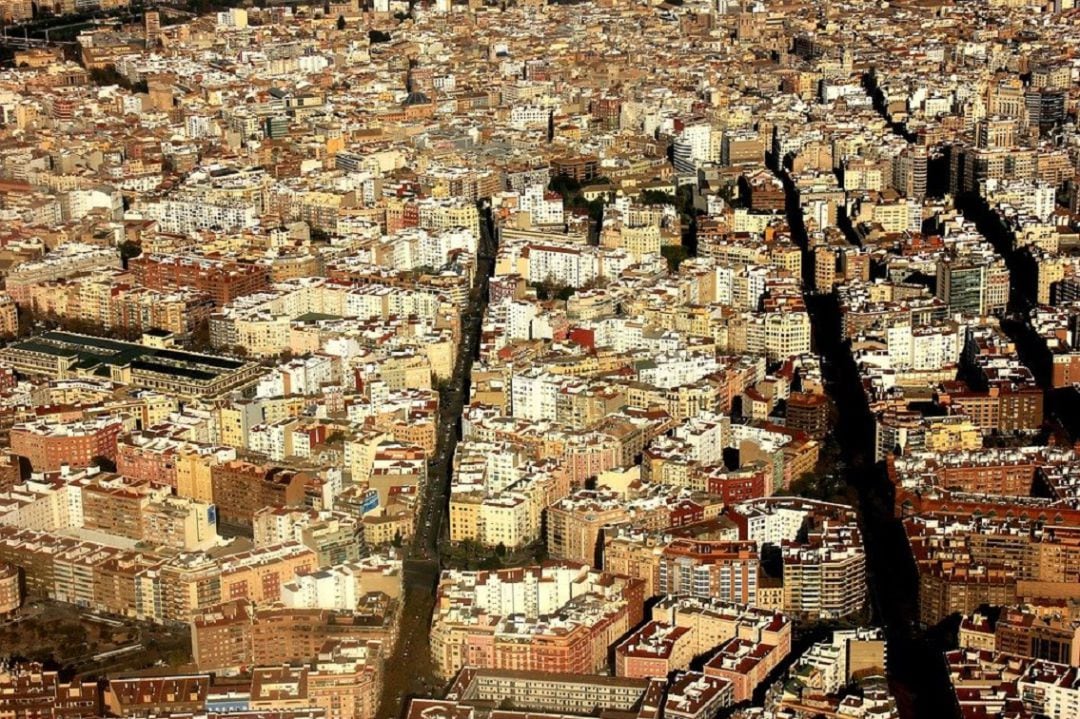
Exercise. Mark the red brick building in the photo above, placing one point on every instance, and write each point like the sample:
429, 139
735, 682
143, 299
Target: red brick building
30, 691
655, 650
223, 280
737, 485
745, 664
242, 488
808, 413
49, 445
766, 193
153, 460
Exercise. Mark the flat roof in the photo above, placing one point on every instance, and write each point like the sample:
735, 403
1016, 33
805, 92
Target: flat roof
102, 353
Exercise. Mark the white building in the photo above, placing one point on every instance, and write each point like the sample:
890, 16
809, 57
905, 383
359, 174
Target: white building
544, 208
565, 266
533, 394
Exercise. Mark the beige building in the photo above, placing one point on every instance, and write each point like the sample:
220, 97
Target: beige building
465, 516
9, 317
10, 589
573, 529
346, 679
148, 513
193, 475
360, 453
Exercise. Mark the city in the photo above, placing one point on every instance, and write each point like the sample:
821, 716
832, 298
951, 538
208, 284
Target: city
623, 359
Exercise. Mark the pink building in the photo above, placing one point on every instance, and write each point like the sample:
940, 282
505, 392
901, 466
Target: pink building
588, 455
745, 664
152, 459
655, 650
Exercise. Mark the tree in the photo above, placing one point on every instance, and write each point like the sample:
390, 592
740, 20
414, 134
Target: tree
674, 254
596, 211
727, 193
129, 250
200, 335
656, 197
565, 186
341, 22
104, 77
376, 36
104, 463
27, 318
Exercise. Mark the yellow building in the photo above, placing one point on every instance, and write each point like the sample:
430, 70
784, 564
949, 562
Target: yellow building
233, 422
465, 516
386, 527
360, 453
441, 356
408, 372
1049, 269
10, 589
448, 214
953, 434
180, 522
193, 474
786, 256
638, 241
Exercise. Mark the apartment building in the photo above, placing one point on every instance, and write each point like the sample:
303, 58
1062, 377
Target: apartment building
654, 651
147, 512
223, 280
560, 617
744, 664
31, 690
1031, 631
49, 445
725, 570
236, 634
241, 489
574, 524
10, 590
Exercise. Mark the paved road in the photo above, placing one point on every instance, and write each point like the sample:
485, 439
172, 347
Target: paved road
409, 670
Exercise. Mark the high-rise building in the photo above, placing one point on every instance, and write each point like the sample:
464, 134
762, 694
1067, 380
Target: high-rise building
909, 172
962, 284
725, 570
1053, 637
151, 27
1045, 109
241, 489
10, 589
998, 132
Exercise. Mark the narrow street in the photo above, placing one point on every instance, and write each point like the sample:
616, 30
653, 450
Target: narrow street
1060, 411
917, 673
409, 669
